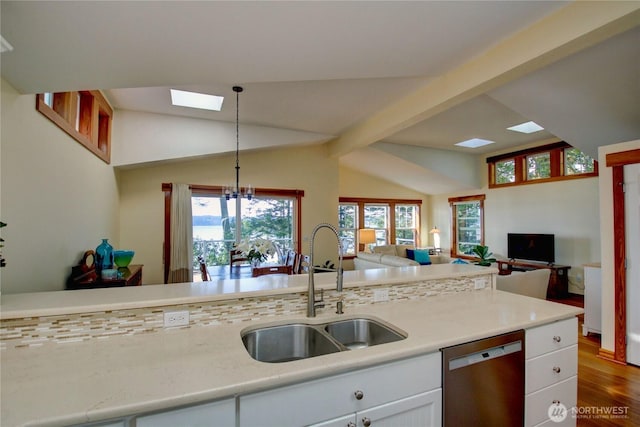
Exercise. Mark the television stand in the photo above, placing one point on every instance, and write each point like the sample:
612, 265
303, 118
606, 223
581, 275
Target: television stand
558, 281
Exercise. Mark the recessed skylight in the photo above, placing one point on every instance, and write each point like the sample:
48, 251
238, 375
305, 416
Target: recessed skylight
196, 100
5, 46
528, 127
474, 143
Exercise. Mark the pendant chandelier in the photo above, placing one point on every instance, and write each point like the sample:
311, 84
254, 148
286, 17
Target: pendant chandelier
234, 190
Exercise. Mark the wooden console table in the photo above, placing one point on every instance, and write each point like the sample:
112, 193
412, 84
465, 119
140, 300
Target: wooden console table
131, 276
558, 281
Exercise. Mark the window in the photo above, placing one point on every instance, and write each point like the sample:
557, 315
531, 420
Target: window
376, 216
396, 221
347, 226
576, 162
406, 224
84, 115
505, 171
216, 221
547, 163
538, 166
467, 224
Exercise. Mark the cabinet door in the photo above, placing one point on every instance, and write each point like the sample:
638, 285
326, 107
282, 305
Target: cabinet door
221, 413
422, 410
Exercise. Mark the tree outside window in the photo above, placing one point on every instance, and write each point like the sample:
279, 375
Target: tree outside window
576, 162
347, 226
406, 224
377, 218
467, 224
539, 166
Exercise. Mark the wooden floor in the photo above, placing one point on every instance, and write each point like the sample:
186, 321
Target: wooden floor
604, 386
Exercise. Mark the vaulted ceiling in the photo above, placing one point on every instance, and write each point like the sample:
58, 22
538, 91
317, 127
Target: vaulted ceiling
390, 86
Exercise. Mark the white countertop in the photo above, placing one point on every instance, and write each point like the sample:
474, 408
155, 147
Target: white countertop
61, 384
36, 304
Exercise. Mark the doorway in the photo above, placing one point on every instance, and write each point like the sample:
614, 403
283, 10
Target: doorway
632, 242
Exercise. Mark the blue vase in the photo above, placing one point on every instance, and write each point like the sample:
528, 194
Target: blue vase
104, 256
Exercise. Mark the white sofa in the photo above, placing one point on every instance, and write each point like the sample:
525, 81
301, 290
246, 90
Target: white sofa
531, 283
391, 256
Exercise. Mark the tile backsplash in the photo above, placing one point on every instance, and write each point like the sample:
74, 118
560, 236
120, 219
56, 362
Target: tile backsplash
38, 331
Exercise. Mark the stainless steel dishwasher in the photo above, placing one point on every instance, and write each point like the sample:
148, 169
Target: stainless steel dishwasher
483, 382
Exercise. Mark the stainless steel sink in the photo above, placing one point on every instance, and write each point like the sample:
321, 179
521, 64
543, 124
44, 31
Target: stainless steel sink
288, 342
294, 341
360, 333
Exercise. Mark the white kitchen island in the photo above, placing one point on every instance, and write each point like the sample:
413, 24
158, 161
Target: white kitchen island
75, 379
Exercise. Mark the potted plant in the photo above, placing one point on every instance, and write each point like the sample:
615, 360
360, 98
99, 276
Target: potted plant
485, 257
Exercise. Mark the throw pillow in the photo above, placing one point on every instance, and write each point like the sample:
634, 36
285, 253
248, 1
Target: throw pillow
411, 254
422, 256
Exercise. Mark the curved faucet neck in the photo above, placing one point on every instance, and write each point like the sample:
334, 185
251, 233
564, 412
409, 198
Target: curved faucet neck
311, 306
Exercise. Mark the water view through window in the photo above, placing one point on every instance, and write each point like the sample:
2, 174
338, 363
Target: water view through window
215, 218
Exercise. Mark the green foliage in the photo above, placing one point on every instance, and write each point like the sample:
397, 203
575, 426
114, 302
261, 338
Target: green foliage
485, 257
539, 166
505, 171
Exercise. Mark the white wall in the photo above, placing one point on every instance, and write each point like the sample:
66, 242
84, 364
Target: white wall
569, 209
57, 198
606, 236
141, 137
307, 168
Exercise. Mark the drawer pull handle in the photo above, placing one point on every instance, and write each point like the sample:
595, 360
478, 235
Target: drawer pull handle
556, 369
366, 422
557, 338
359, 395
556, 402
351, 424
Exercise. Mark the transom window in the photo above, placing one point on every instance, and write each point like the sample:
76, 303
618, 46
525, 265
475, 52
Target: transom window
551, 162
396, 221
83, 115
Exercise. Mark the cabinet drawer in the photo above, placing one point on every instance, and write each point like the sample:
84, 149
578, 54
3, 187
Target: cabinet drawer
536, 405
551, 368
332, 397
551, 337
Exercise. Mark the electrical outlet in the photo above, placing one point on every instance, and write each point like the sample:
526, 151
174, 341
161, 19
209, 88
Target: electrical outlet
176, 318
380, 295
479, 284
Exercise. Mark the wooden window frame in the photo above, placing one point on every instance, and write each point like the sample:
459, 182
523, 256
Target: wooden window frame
167, 189
454, 222
85, 115
556, 152
391, 231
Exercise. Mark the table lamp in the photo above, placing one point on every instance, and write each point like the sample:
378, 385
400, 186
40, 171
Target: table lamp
366, 236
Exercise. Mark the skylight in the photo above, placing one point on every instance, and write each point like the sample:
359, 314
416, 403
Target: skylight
474, 143
196, 100
528, 127
5, 46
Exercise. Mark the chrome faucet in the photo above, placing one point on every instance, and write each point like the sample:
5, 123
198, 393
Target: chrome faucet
312, 303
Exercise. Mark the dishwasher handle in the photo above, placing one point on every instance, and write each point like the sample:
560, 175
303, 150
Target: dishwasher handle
485, 355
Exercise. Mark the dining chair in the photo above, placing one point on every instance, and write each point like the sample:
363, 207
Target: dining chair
203, 269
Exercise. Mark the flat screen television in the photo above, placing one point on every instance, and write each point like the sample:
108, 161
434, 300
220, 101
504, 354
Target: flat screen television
531, 247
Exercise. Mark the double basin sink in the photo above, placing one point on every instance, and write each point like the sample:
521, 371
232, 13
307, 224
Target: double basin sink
295, 341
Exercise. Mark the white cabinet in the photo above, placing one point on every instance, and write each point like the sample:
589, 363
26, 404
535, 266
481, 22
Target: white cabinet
551, 369
221, 413
592, 300
389, 393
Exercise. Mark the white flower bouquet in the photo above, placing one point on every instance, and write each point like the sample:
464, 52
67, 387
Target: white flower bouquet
257, 250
